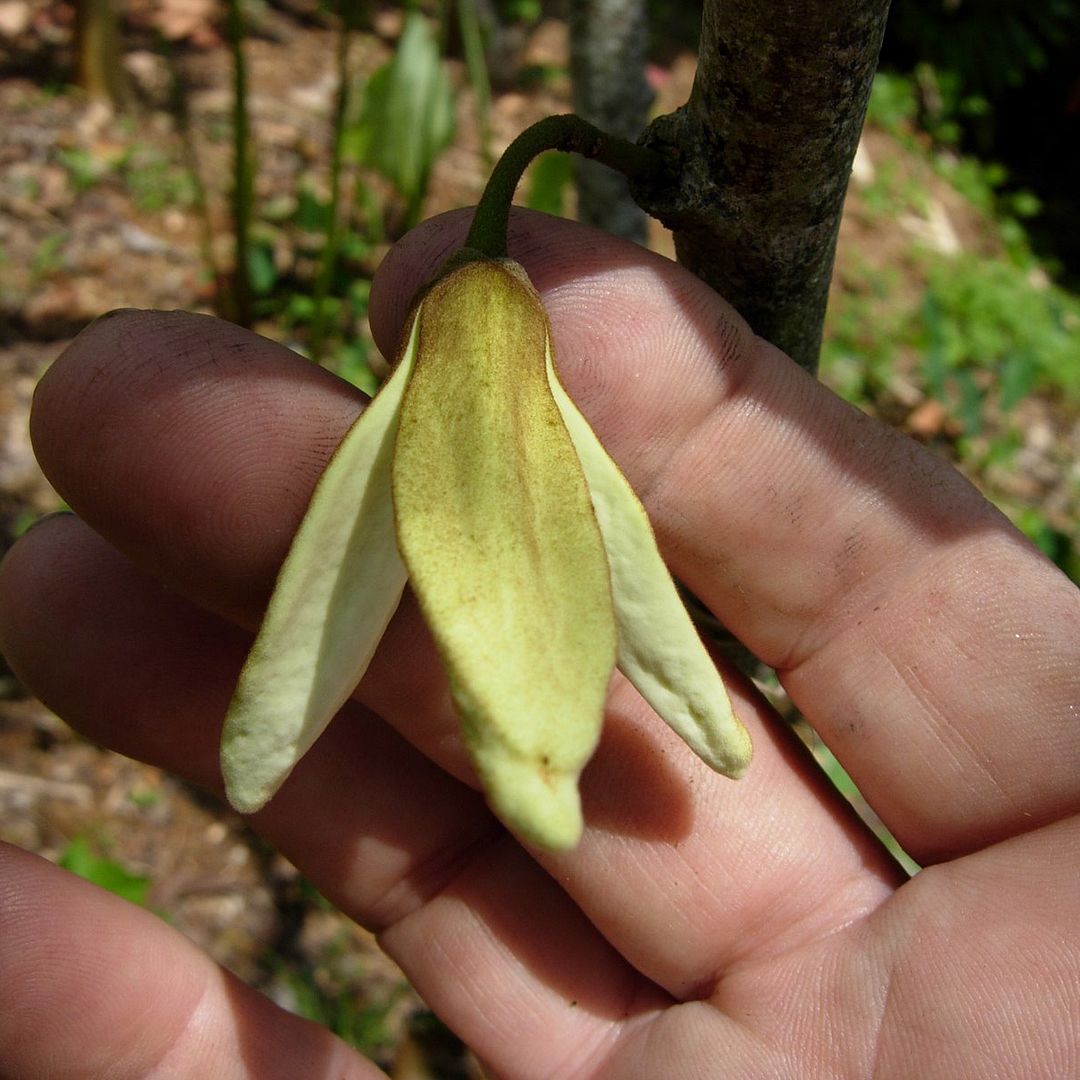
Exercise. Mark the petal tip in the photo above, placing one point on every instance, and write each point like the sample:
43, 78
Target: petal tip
252, 772
243, 797
738, 753
541, 806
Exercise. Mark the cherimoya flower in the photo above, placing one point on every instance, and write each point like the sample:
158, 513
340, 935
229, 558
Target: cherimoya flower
473, 476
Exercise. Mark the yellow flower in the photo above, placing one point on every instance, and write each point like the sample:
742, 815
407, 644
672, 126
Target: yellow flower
473, 476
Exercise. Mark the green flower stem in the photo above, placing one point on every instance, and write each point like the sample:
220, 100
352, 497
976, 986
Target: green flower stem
568, 133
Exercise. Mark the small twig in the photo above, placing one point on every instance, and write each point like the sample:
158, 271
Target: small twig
243, 179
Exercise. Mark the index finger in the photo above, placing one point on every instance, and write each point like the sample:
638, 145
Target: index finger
934, 650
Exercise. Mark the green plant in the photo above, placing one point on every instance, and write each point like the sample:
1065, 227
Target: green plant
519, 11
864, 332
364, 1028
144, 798
48, 256
1055, 544
262, 273
882, 195
352, 361
549, 178
156, 182
85, 169
353, 356
189, 155
407, 119
894, 103
332, 225
991, 317
97, 47
84, 858
360, 1023
472, 41
243, 186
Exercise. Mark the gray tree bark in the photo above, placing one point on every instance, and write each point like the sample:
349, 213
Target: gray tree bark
762, 153
608, 48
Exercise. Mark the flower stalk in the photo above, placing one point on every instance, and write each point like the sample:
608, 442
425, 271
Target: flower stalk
568, 133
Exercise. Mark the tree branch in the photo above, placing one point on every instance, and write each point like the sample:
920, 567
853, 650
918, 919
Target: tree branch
763, 150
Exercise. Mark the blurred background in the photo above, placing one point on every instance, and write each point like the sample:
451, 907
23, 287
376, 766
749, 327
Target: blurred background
255, 160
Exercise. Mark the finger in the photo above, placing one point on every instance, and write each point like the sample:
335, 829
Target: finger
229, 514
94, 987
381, 830
383, 833
144, 671
496, 944
935, 651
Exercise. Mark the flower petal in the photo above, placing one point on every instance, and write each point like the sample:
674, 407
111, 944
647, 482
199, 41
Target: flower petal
337, 590
660, 651
497, 529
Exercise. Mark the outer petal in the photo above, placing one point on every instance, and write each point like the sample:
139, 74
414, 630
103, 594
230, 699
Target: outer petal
503, 549
660, 652
337, 590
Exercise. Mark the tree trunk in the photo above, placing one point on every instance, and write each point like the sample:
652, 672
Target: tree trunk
763, 152
608, 45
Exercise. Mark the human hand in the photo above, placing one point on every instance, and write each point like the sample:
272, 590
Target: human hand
702, 927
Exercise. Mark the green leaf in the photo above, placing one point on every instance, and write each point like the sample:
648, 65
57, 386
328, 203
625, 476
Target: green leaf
80, 858
550, 175
408, 115
312, 213
971, 403
262, 273
351, 363
935, 364
1017, 378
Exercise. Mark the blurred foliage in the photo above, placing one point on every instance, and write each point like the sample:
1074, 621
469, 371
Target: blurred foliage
519, 11
549, 177
307, 261
893, 105
1056, 545
235, 297
473, 45
408, 115
1001, 80
84, 858
982, 330
1000, 315
984, 47
362, 1024
989, 315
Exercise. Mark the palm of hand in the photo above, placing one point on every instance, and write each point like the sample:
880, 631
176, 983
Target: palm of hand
702, 928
